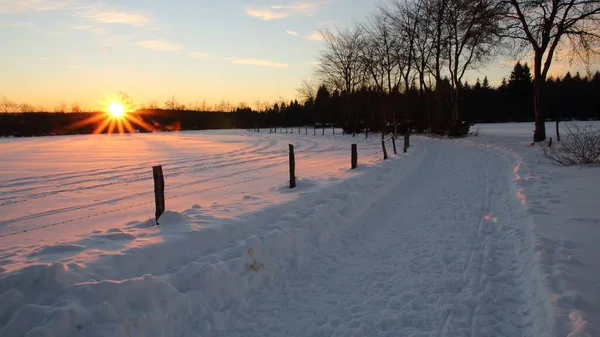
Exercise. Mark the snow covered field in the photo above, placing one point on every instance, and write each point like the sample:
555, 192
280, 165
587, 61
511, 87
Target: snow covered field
473, 237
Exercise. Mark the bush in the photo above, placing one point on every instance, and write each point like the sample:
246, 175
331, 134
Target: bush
581, 146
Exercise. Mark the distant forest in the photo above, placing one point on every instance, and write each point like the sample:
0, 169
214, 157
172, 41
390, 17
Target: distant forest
566, 98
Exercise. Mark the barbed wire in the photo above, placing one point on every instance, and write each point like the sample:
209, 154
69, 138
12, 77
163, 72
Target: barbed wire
76, 219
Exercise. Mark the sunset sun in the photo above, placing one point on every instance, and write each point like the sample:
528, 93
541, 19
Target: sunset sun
116, 109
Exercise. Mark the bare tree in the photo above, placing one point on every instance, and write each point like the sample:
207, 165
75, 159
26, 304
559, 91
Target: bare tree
126, 101
543, 25
437, 9
260, 106
405, 20
8, 106
173, 104
340, 64
473, 28
152, 105
419, 13
379, 57
75, 107
224, 106
60, 107
24, 107
308, 90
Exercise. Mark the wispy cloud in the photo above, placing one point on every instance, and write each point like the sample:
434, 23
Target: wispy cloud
120, 17
31, 25
160, 45
265, 14
94, 13
90, 29
258, 62
291, 32
17, 6
199, 55
315, 36
283, 11
302, 8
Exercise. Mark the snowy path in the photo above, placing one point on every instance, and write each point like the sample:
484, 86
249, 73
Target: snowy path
435, 256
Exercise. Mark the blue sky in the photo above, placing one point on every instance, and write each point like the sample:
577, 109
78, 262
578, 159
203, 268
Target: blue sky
80, 51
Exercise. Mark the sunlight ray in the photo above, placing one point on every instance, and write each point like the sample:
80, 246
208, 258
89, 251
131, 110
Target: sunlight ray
102, 126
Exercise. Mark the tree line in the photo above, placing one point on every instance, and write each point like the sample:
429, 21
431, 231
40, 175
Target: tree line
412, 56
568, 97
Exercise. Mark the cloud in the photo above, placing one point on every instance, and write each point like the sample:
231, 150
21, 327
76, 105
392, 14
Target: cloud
90, 29
120, 17
159, 45
17, 6
315, 36
291, 32
257, 62
266, 14
307, 8
45, 30
283, 11
199, 55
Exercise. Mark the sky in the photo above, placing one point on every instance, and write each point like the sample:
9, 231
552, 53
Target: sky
83, 51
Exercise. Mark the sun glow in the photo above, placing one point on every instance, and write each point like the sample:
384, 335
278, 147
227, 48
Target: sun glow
116, 109
119, 116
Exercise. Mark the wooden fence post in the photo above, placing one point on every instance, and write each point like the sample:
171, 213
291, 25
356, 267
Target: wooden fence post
292, 167
394, 145
385, 156
354, 160
550, 142
406, 140
159, 191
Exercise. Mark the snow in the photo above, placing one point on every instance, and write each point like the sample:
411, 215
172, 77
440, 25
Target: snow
473, 237
562, 206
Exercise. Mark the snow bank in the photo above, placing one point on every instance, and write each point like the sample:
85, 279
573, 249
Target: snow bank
561, 205
188, 284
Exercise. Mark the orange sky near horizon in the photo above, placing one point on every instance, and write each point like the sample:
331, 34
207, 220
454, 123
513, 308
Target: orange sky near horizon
68, 52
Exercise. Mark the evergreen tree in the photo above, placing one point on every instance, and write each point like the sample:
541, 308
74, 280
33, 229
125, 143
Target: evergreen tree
519, 90
486, 83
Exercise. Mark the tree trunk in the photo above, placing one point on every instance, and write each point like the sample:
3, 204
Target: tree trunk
455, 106
539, 134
